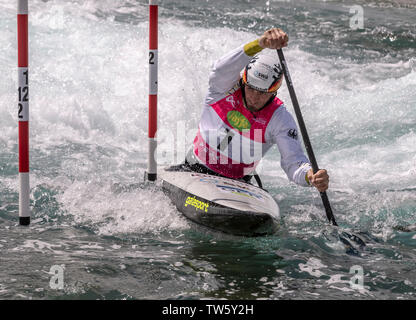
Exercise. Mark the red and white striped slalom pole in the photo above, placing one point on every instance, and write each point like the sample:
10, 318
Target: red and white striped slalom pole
151, 173
23, 110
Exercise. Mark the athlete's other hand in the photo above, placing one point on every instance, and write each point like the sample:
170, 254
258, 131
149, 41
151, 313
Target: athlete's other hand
274, 38
319, 180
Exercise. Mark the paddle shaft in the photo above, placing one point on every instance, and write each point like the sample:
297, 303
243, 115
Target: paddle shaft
305, 135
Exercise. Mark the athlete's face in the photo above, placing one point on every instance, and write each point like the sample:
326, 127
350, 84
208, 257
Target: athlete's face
256, 99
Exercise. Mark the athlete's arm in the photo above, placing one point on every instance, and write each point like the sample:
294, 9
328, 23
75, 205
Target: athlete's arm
225, 73
226, 70
282, 130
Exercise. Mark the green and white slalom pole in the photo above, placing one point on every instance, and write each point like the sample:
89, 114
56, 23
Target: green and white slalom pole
23, 110
151, 173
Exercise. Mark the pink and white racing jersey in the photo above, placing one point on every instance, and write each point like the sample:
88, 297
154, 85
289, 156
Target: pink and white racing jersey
231, 140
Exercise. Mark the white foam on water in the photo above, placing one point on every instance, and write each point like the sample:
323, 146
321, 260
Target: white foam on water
132, 212
91, 246
39, 246
313, 266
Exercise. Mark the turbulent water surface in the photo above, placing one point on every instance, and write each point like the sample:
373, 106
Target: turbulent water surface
120, 239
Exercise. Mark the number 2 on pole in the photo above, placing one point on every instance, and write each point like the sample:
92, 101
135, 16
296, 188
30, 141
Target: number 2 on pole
20, 111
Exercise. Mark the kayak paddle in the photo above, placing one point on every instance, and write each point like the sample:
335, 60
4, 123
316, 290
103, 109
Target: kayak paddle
309, 149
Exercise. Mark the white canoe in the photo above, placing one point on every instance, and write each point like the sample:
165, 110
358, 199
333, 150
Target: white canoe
223, 204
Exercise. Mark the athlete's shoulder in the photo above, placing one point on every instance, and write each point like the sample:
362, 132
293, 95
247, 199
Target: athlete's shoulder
281, 112
282, 120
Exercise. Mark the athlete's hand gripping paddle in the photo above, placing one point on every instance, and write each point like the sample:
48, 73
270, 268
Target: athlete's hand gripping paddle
309, 149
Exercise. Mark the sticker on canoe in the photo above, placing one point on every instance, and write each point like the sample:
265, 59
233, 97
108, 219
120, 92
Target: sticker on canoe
238, 120
216, 181
197, 204
240, 191
236, 188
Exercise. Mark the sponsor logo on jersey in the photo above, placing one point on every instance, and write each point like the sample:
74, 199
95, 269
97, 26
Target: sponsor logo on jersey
293, 134
238, 120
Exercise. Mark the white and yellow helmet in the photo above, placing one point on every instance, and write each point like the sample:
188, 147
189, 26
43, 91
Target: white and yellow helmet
263, 73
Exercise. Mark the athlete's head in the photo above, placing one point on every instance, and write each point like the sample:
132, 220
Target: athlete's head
262, 77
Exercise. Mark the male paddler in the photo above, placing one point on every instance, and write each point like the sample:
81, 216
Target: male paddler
242, 118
